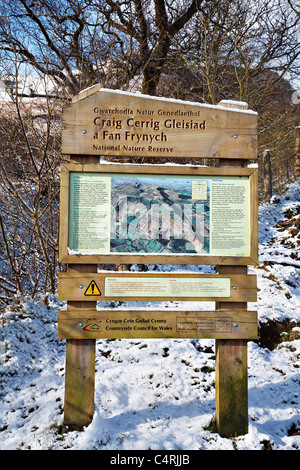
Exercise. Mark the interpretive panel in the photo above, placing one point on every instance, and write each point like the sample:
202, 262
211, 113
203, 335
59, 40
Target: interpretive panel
166, 287
167, 214
90, 211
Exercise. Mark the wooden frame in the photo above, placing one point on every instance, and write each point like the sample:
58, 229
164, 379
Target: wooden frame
157, 170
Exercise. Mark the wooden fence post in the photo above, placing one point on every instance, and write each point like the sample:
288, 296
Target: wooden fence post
297, 154
267, 172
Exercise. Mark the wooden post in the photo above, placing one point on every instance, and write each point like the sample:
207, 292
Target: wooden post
231, 374
267, 172
297, 154
80, 369
79, 383
231, 364
80, 357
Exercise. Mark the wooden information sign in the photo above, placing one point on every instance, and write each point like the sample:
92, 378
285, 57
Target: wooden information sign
106, 122
158, 214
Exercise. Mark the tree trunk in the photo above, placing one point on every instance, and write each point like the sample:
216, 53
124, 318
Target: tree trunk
297, 156
267, 172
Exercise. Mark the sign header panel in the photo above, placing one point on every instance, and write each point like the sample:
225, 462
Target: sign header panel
109, 122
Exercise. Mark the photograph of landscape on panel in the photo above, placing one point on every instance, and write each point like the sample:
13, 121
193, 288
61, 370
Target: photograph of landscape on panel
160, 215
149, 214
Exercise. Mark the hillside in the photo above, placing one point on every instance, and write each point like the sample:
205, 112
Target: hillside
159, 394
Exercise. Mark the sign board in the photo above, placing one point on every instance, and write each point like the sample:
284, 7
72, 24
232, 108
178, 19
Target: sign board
158, 214
110, 122
157, 286
85, 324
171, 214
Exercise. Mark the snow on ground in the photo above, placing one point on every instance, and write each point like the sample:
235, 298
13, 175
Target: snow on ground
159, 393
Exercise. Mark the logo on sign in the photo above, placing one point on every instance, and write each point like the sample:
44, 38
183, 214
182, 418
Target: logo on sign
92, 326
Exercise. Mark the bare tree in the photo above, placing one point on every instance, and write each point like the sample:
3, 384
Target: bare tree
152, 27
82, 42
29, 188
244, 51
236, 48
198, 50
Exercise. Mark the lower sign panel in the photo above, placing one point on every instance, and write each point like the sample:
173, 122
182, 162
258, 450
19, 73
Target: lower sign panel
109, 324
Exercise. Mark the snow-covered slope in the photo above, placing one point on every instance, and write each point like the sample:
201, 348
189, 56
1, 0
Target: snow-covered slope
159, 394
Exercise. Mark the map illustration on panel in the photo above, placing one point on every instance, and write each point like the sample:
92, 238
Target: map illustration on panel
159, 215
